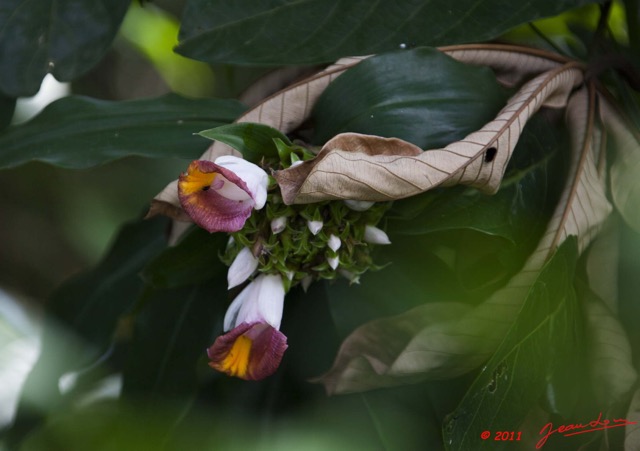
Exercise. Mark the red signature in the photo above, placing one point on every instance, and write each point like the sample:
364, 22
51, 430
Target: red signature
579, 428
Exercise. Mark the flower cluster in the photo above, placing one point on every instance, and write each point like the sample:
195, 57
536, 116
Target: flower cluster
275, 247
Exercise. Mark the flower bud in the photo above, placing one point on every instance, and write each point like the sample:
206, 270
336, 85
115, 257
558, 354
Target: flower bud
242, 267
351, 277
278, 224
333, 262
334, 243
315, 226
358, 205
374, 235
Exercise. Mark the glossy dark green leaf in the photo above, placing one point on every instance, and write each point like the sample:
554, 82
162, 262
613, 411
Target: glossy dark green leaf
194, 260
254, 141
79, 132
83, 313
545, 332
313, 31
62, 37
421, 96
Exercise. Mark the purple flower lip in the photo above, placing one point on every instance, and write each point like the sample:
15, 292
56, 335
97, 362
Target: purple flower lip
250, 351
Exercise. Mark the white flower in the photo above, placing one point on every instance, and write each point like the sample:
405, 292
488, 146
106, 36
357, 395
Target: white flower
358, 205
261, 301
374, 235
334, 243
252, 175
278, 224
315, 226
333, 262
242, 267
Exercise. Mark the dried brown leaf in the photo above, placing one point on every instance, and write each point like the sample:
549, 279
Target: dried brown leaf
479, 160
366, 356
581, 211
512, 65
289, 108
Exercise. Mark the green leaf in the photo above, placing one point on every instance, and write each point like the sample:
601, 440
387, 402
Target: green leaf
194, 260
432, 101
254, 141
62, 37
314, 31
543, 335
79, 132
82, 315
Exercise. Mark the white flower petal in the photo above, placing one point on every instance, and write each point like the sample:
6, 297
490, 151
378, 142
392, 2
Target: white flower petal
315, 226
253, 175
231, 317
229, 189
374, 235
242, 267
334, 243
265, 302
333, 262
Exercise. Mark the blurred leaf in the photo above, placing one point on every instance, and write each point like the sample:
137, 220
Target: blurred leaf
632, 8
171, 335
7, 107
62, 37
193, 260
513, 380
401, 417
254, 141
365, 359
80, 132
154, 32
625, 183
632, 432
82, 317
90, 304
389, 95
315, 31
611, 366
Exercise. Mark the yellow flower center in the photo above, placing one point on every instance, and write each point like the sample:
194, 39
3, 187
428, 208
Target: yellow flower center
236, 362
196, 180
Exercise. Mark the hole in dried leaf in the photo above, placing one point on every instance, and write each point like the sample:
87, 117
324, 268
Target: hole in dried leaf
490, 154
